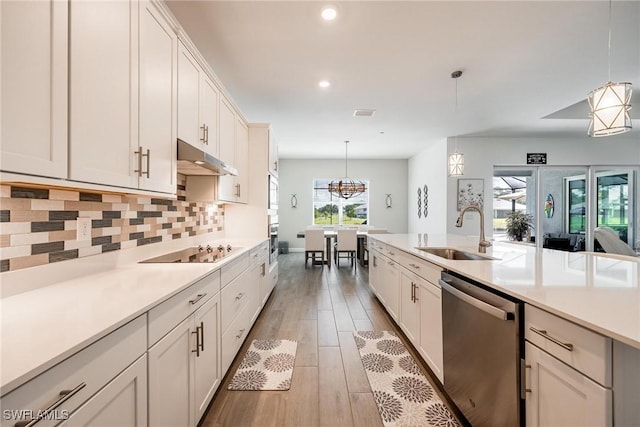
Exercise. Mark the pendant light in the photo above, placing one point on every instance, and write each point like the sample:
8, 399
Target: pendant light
456, 159
346, 187
610, 104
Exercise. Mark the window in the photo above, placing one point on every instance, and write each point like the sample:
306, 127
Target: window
613, 201
328, 209
576, 204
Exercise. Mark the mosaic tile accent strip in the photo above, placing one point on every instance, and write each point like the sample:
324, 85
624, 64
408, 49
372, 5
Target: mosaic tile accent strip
38, 226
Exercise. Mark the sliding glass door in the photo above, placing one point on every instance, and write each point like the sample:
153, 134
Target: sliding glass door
615, 202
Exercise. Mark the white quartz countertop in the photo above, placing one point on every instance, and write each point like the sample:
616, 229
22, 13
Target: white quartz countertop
602, 294
44, 326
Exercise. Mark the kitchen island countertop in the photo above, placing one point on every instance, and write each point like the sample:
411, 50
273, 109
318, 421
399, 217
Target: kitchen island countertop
599, 293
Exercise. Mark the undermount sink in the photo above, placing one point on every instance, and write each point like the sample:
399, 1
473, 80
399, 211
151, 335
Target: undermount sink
450, 253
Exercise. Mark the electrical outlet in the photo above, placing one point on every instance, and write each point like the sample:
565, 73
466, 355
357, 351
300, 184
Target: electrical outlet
83, 230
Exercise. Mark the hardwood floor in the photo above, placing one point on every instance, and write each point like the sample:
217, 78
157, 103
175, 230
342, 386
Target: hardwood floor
318, 307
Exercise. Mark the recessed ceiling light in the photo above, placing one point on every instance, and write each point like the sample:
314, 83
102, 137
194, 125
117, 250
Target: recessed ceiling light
364, 112
329, 13
324, 84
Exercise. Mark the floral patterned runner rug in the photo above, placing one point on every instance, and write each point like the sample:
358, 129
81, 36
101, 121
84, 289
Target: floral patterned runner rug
267, 365
402, 392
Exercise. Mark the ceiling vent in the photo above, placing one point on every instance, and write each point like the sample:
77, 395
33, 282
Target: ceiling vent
362, 112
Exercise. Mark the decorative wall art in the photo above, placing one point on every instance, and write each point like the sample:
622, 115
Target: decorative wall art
419, 203
388, 201
294, 201
470, 192
426, 200
548, 206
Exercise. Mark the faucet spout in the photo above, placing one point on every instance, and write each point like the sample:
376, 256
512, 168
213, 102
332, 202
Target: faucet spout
483, 244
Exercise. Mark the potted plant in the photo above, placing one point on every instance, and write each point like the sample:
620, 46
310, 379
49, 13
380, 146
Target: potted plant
518, 224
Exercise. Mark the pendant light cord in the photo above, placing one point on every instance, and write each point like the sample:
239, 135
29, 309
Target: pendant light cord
346, 147
609, 44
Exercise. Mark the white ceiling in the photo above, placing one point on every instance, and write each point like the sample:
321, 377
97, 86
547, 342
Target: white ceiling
521, 60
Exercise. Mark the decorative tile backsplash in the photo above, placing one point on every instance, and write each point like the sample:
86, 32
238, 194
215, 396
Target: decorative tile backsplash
39, 225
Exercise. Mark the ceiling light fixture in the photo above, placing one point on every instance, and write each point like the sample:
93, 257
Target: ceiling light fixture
456, 159
329, 13
324, 84
346, 187
610, 104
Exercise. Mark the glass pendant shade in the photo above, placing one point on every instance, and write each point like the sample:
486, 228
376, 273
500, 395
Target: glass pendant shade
610, 105
456, 164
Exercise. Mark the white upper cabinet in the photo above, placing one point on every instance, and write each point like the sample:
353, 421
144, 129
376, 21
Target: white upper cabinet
103, 134
33, 88
227, 132
122, 96
273, 154
234, 150
242, 161
197, 104
158, 111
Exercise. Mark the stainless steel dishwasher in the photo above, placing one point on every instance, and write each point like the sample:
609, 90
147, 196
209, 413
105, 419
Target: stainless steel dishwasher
481, 333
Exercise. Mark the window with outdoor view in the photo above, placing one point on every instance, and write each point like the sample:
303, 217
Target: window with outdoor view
329, 209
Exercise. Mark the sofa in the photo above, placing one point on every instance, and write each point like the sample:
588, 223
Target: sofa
571, 242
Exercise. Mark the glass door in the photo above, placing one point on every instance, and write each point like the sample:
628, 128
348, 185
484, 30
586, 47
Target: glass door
615, 204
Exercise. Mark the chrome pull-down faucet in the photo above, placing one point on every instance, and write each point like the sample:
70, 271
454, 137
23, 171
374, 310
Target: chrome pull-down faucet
484, 243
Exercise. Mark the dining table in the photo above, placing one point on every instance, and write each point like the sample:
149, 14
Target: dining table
330, 235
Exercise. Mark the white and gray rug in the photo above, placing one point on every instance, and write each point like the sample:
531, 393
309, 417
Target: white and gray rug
403, 394
267, 365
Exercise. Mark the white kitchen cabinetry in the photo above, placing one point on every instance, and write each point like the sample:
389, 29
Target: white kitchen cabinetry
410, 305
568, 373
259, 271
122, 91
184, 368
197, 104
107, 368
34, 58
273, 154
385, 277
430, 347
235, 152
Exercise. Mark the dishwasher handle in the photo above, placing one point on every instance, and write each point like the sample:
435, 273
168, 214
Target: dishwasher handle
487, 308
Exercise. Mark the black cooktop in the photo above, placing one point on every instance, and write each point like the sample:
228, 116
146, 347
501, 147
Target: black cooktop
195, 254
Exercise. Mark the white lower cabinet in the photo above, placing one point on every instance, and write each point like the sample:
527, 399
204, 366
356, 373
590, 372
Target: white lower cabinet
122, 402
388, 286
375, 271
562, 396
184, 369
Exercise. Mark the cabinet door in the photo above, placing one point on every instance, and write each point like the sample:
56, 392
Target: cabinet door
189, 127
273, 154
227, 126
430, 345
375, 271
242, 161
157, 115
103, 133
122, 402
171, 378
409, 306
207, 362
34, 55
562, 396
391, 289
209, 115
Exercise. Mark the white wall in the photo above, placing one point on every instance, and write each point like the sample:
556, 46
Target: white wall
385, 177
429, 168
481, 154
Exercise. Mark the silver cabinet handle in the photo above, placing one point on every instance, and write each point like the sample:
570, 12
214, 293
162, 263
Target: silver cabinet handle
197, 333
543, 333
523, 379
391, 253
481, 305
240, 332
263, 268
201, 336
148, 156
375, 264
139, 170
64, 396
197, 298
390, 263
417, 267
413, 295
240, 296
204, 133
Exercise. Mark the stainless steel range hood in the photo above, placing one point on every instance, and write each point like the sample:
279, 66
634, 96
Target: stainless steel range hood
193, 161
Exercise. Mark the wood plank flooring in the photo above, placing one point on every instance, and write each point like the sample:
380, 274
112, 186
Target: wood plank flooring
319, 308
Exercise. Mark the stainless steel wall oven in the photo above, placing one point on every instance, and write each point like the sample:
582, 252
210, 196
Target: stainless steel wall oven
273, 238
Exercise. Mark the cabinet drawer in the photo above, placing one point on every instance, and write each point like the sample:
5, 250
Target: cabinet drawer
578, 347
376, 245
422, 268
168, 314
233, 338
231, 270
83, 374
262, 250
233, 298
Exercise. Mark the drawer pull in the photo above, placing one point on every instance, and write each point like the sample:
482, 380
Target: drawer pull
197, 298
391, 253
417, 267
523, 379
544, 334
239, 296
64, 396
240, 332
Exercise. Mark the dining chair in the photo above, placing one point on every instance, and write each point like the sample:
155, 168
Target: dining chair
313, 244
346, 244
611, 242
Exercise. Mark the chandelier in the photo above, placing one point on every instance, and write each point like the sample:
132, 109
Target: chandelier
610, 104
455, 164
346, 187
